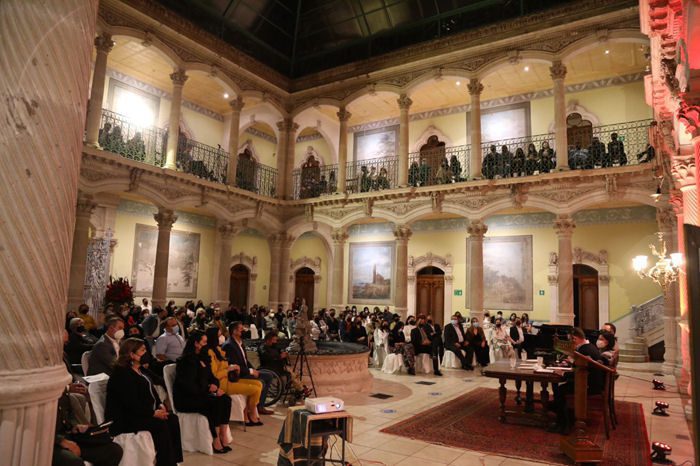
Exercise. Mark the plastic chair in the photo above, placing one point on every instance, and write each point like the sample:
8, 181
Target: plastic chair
379, 349
138, 448
392, 363
84, 361
424, 363
450, 360
254, 332
194, 427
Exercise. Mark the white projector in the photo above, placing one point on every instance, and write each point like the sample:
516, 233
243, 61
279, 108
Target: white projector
324, 405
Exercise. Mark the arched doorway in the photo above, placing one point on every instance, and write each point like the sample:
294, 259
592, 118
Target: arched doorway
430, 293
578, 131
304, 279
238, 291
586, 297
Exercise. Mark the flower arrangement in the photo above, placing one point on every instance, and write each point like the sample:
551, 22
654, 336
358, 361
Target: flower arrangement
119, 292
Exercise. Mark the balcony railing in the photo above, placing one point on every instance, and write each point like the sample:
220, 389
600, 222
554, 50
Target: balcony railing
256, 177
631, 149
515, 157
123, 137
372, 174
201, 160
315, 181
438, 166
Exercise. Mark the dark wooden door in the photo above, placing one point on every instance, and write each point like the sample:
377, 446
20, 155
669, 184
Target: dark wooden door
304, 286
238, 292
430, 293
578, 131
586, 297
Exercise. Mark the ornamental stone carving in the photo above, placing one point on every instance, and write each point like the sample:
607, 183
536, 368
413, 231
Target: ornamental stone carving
236, 104
477, 229
475, 87
690, 116
228, 230
473, 203
94, 175
343, 115
581, 256
104, 43
339, 236
553, 258
562, 196
404, 101
402, 233
557, 70
165, 219
244, 259
564, 225
683, 169
313, 264
430, 259
179, 77
135, 175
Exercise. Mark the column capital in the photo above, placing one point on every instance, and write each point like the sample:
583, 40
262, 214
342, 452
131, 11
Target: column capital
339, 236
85, 205
287, 125
343, 115
104, 43
557, 70
477, 229
165, 219
283, 239
475, 87
564, 225
402, 232
179, 77
237, 104
404, 101
228, 230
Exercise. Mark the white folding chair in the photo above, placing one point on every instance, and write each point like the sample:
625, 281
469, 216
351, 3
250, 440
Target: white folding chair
194, 427
254, 332
379, 349
138, 448
84, 361
450, 360
424, 363
238, 404
392, 362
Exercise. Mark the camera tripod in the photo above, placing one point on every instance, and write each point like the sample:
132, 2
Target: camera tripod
301, 361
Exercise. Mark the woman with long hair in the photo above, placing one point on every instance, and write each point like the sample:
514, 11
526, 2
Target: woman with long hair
133, 405
227, 375
196, 390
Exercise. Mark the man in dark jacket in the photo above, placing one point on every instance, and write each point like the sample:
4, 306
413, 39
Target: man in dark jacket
105, 351
422, 341
456, 342
272, 358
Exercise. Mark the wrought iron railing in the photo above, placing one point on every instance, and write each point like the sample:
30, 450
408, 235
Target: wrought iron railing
438, 166
629, 147
649, 315
515, 157
202, 160
256, 177
135, 142
311, 182
372, 174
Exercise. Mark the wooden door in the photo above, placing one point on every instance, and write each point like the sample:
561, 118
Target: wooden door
238, 292
430, 294
304, 287
578, 131
586, 297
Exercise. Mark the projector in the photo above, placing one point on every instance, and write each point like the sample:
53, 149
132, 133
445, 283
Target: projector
324, 405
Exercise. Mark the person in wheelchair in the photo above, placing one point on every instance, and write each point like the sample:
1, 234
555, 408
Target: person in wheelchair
276, 360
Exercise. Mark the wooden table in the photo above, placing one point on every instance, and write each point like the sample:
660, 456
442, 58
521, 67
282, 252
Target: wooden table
501, 370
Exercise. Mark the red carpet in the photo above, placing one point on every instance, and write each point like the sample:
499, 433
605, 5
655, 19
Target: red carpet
471, 422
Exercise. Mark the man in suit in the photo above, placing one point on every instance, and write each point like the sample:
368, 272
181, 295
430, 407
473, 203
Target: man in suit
422, 341
235, 353
152, 325
456, 342
518, 336
105, 351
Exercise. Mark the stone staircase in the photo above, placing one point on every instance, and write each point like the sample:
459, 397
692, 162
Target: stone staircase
647, 330
634, 350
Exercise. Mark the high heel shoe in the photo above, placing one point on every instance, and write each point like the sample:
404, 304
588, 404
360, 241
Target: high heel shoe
220, 452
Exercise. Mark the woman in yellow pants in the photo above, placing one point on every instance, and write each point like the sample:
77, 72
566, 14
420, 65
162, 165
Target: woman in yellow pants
220, 368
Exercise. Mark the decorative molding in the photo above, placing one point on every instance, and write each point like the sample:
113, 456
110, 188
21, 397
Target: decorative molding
147, 210
310, 137
581, 256
431, 130
243, 259
261, 134
313, 264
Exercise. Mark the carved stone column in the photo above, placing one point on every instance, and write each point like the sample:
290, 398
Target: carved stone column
46, 52
340, 237
236, 107
178, 78
290, 154
475, 88
273, 297
343, 117
225, 232
476, 229
666, 220
81, 238
564, 226
402, 233
286, 242
165, 219
103, 45
404, 105
558, 74
283, 127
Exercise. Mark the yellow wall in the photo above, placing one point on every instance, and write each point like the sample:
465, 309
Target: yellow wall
321, 148
453, 126
203, 128
256, 245
311, 246
265, 150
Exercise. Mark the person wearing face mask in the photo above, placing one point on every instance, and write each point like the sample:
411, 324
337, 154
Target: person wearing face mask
152, 324
358, 333
456, 342
511, 320
606, 345
79, 340
502, 345
170, 344
410, 325
517, 337
477, 341
133, 405
422, 340
105, 351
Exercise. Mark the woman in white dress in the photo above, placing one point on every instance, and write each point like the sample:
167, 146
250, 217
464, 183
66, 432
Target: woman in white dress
502, 343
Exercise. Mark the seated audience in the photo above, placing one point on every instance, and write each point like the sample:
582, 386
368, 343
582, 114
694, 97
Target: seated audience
527, 326
170, 344
421, 339
502, 345
606, 345
358, 333
517, 337
457, 343
88, 320
478, 344
398, 345
410, 325
105, 351
196, 390
235, 354
152, 325
133, 405
276, 360
228, 376
79, 340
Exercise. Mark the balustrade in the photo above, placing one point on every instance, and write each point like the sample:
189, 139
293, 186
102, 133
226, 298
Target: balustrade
524, 156
648, 316
315, 181
372, 174
256, 177
441, 165
121, 136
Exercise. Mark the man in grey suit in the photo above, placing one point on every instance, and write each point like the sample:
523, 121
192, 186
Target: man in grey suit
153, 324
105, 351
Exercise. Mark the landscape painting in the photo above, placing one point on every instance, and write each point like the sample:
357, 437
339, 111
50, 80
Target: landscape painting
183, 262
376, 143
507, 273
371, 273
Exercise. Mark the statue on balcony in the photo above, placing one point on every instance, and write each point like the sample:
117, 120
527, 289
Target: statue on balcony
548, 158
616, 151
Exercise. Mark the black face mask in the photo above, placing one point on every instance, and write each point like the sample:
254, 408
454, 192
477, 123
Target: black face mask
498, 325
80, 329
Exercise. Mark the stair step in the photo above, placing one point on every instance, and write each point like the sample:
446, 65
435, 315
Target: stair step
635, 346
632, 358
641, 340
633, 352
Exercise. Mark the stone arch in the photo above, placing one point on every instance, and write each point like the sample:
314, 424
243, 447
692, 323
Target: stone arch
265, 99
216, 74
329, 129
519, 57
315, 102
299, 226
431, 130
430, 260
148, 39
436, 74
370, 90
313, 264
251, 263
573, 106
601, 37
260, 113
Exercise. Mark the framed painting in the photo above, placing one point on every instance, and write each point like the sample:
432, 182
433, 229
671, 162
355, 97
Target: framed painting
376, 143
505, 122
183, 262
507, 273
371, 273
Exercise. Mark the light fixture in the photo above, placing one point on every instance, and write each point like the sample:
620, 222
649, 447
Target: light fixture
657, 194
659, 452
658, 384
225, 95
660, 410
666, 269
527, 68
458, 83
607, 52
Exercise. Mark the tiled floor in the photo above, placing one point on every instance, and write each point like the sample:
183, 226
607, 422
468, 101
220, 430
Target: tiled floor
258, 445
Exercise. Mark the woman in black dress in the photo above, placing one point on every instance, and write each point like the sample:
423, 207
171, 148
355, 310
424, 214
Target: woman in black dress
133, 405
477, 340
196, 390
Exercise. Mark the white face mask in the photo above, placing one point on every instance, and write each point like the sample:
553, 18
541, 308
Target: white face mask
222, 340
600, 344
454, 321
118, 335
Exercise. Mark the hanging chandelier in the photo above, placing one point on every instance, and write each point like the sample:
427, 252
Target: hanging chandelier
666, 269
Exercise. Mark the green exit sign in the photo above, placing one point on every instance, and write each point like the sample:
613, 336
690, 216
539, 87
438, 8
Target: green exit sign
458, 292
541, 292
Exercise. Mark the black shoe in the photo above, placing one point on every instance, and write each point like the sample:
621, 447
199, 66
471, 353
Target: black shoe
438, 373
227, 449
411, 372
220, 452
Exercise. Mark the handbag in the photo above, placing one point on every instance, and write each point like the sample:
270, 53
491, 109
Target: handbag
94, 436
234, 376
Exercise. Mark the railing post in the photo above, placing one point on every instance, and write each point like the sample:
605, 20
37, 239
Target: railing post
404, 105
475, 88
558, 74
103, 44
236, 107
343, 117
178, 78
